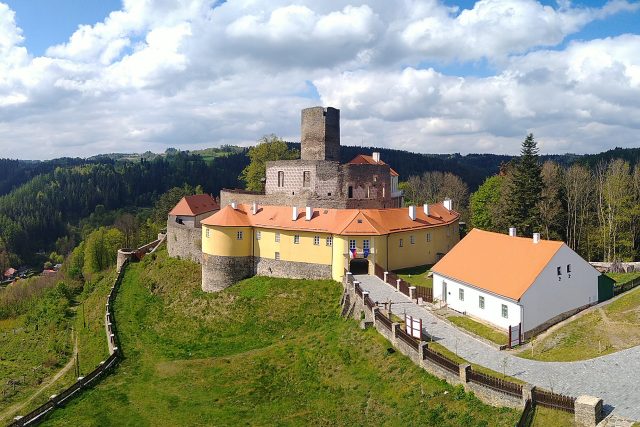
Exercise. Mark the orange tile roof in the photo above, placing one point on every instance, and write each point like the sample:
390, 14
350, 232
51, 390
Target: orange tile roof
363, 159
498, 263
335, 221
195, 205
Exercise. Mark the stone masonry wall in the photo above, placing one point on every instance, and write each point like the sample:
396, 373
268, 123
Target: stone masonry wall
183, 241
320, 134
324, 178
220, 272
291, 270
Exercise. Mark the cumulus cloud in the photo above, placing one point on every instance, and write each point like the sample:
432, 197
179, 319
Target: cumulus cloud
196, 73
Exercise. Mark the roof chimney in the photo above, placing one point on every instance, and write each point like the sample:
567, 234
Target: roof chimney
376, 156
294, 213
448, 204
254, 208
512, 231
234, 206
308, 213
426, 209
536, 237
412, 212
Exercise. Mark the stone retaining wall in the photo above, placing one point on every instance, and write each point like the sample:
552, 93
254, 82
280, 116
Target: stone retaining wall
220, 272
183, 241
291, 270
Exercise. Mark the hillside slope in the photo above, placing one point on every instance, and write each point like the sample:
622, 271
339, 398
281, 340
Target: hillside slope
262, 352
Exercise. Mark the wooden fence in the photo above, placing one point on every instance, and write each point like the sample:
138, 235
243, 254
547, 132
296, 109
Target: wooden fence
617, 290
494, 383
441, 361
392, 279
369, 302
386, 322
358, 290
527, 414
406, 338
425, 293
553, 400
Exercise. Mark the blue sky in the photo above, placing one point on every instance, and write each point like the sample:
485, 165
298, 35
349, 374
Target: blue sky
413, 75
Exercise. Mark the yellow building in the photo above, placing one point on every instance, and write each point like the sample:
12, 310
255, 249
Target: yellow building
240, 241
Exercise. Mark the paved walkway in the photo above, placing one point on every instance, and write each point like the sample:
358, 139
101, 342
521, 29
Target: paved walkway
615, 377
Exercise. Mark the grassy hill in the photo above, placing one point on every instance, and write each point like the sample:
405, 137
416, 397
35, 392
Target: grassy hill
263, 352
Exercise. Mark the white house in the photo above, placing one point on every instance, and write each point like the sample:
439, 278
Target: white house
506, 280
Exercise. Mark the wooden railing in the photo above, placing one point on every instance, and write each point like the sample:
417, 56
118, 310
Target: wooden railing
406, 338
441, 361
386, 322
425, 293
494, 383
553, 400
369, 302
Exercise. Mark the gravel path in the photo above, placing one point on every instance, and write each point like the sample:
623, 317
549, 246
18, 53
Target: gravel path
615, 377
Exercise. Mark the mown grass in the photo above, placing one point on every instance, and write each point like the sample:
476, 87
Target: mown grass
417, 276
621, 278
263, 352
612, 328
480, 329
544, 417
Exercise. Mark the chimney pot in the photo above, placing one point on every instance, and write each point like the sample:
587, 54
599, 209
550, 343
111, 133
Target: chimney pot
412, 213
376, 156
254, 208
426, 209
512, 231
233, 205
536, 237
448, 204
308, 213
294, 213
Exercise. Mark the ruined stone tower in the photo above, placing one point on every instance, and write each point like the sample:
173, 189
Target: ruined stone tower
320, 134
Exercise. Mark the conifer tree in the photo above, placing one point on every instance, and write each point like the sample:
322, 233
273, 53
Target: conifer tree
525, 190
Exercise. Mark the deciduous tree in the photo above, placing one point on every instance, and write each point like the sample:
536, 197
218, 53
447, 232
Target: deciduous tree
269, 148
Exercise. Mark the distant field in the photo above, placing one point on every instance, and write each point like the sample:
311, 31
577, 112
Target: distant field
263, 352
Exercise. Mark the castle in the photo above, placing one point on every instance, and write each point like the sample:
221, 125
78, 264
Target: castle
316, 219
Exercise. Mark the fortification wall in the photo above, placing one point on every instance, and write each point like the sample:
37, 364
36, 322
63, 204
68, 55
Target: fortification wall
324, 178
220, 272
184, 241
320, 133
292, 270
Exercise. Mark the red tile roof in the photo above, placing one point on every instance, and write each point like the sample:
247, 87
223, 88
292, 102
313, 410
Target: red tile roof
195, 205
363, 159
10, 272
335, 221
498, 263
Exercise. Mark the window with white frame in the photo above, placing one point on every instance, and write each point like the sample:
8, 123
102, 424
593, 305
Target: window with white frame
330, 241
505, 311
401, 243
258, 235
296, 239
277, 236
365, 244
352, 244
461, 294
428, 237
412, 240
239, 235
481, 302
277, 256
316, 240
206, 233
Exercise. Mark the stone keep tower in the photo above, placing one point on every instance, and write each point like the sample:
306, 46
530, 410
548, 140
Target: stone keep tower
320, 134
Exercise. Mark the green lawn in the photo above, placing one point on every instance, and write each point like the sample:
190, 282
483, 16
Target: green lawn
622, 278
417, 276
263, 352
544, 417
613, 328
494, 335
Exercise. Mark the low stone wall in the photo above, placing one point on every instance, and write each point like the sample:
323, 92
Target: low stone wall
183, 241
220, 272
291, 270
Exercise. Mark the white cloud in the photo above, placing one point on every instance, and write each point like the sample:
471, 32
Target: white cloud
193, 73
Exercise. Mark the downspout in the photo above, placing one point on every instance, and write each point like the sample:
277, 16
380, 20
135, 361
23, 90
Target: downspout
387, 269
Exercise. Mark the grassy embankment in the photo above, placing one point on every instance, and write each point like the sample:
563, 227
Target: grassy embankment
485, 331
37, 344
621, 278
264, 351
605, 330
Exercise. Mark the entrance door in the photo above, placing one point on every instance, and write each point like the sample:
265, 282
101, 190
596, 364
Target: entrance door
359, 266
444, 292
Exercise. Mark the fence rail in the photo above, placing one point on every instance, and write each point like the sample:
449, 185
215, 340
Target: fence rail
553, 400
406, 338
494, 383
617, 290
358, 290
441, 361
369, 302
384, 320
378, 271
425, 293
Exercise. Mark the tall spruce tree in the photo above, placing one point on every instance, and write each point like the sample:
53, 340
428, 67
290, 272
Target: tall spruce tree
525, 190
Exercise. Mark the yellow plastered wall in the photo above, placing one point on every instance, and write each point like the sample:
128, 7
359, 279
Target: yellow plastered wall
421, 251
223, 241
305, 251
